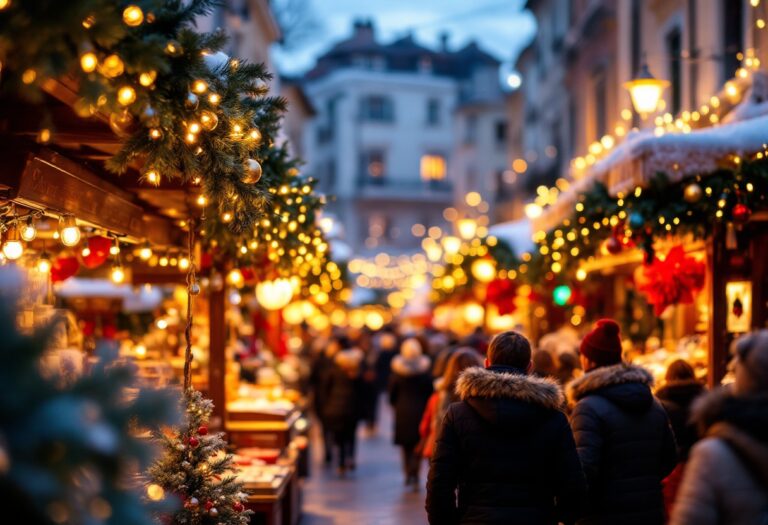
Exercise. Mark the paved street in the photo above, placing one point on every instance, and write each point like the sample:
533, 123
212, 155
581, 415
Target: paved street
372, 495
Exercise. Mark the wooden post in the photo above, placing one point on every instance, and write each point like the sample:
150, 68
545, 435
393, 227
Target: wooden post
717, 336
217, 360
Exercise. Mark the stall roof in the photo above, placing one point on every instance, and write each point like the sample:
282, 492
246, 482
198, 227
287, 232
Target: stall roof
515, 233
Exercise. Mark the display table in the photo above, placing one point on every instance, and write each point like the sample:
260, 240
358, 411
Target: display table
274, 494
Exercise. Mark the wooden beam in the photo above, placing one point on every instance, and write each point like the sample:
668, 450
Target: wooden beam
217, 360
717, 337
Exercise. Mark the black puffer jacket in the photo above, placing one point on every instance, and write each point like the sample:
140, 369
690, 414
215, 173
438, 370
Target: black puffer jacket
410, 387
677, 397
509, 451
341, 392
625, 444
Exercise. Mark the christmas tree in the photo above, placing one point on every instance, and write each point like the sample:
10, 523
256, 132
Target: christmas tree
195, 468
68, 446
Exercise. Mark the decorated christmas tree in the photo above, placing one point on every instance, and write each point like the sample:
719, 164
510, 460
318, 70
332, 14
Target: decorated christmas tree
68, 447
196, 469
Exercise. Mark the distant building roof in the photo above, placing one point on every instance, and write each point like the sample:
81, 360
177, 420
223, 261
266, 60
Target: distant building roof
403, 54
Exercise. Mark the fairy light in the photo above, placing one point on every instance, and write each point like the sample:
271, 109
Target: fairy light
126, 95
147, 78
88, 62
199, 86
133, 16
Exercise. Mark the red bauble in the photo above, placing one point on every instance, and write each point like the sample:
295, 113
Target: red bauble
203, 430
741, 213
208, 505
63, 268
98, 252
193, 442
613, 245
238, 507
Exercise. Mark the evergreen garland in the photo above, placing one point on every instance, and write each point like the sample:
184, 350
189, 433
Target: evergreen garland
68, 446
162, 84
195, 468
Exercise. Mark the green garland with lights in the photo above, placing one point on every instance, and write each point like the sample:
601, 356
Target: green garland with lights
184, 109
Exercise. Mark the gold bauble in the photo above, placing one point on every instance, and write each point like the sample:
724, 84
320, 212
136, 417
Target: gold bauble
252, 172
209, 120
194, 288
191, 101
112, 66
121, 123
692, 193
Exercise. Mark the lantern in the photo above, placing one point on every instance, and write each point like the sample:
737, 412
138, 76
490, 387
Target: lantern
645, 91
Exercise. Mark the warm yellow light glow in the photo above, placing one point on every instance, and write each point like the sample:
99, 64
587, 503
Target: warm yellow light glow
533, 210
145, 253
29, 76
184, 263
467, 228
484, 270
194, 127
451, 244
274, 295
147, 78
255, 135
12, 247
235, 278
117, 274
519, 165
28, 231
88, 62
133, 16
70, 233
153, 177
112, 66
432, 167
44, 263
126, 95
214, 99
473, 198
645, 91
199, 86
155, 492
473, 313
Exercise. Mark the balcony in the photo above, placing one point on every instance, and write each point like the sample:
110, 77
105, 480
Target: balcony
414, 189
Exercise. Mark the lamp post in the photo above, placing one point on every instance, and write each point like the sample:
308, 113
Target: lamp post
645, 90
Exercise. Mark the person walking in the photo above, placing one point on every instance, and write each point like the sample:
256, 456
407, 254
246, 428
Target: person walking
726, 478
677, 394
409, 390
622, 433
443, 397
506, 448
322, 364
341, 398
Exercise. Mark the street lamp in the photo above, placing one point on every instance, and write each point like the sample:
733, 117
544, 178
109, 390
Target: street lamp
645, 90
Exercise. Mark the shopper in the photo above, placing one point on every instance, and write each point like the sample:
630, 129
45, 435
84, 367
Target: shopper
505, 448
680, 389
543, 364
341, 398
409, 390
622, 434
567, 367
443, 397
726, 478
325, 350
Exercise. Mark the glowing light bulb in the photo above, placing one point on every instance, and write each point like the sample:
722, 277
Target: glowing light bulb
126, 95
117, 274
133, 16
255, 135
194, 127
29, 232
44, 263
199, 86
145, 253
115, 248
88, 62
227, 216
147, 78
184, 263
69, 232
214, 99
153, 177
201, 200
235, 278
13, 248
163, 261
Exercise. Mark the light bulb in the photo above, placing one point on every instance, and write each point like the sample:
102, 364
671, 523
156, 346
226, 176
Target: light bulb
70, 233
199, 86
183, 263
126, 95
214, 99
145, 253
147, 78
29, 232
227, 217
44, 263
117, 275
88, 62
114, 249
133, 16
13, 249
153, 177
164, 261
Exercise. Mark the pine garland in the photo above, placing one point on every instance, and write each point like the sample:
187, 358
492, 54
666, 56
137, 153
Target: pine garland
195, 468
162, 84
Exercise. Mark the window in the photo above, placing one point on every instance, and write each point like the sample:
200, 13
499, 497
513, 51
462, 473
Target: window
500, 132
432, 167
598, 83
674, 49
470, 130
433, 112
377, 108
373, 165
733, 36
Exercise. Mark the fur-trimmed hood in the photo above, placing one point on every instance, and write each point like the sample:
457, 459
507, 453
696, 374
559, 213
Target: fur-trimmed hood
748, 413
626, 385
508, 398
410, 367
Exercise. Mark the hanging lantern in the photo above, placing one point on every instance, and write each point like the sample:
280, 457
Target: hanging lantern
274, 295
645, 91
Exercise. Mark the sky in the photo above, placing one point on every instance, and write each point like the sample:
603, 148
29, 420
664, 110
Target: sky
501, 27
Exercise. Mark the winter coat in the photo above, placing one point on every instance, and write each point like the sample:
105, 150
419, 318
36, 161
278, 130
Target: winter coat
383, 368
676, 397
726, 478
507, 449
625, 443
318, 379
409, 389
433, 416
341, 393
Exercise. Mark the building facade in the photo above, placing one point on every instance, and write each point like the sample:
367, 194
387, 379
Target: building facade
398, 133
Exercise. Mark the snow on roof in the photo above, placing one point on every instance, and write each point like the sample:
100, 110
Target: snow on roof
515, 233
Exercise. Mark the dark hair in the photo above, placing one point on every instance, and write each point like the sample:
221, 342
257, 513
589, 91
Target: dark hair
459, 361
510, 349
680, 370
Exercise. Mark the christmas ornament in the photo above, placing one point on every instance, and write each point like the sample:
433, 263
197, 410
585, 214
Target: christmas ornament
194, 288
121, 123
671, 281
173, 48
208, 505
636, 220
203, 430
213, 512
192, 101
180, 447
692, 193
133, 16
96, 252
502, 293
238, 507
150, 117
194, 442
252, 172
613, 245
193, 502
741, 213
63, 268
209, 120
215, 61
112, 66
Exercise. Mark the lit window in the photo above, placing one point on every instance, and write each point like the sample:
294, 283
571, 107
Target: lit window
433, 167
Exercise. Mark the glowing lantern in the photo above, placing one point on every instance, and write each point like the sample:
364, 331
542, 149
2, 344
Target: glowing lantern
645, 91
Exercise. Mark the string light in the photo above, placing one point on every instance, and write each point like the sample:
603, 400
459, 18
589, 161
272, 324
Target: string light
133, 16
145, 252
89, 62
69, 232
147, 78
214, 99
43, 264
29, 232
199, 86
117, 273
13, 247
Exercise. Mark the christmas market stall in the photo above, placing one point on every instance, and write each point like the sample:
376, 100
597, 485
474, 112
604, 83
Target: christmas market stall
666, 232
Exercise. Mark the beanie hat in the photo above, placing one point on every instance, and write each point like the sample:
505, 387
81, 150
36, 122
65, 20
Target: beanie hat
602, 345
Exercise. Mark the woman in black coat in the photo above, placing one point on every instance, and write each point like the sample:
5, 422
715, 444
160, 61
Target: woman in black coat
341, 404
409, 390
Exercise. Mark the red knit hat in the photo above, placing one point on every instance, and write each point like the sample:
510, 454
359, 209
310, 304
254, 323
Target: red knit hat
602, 345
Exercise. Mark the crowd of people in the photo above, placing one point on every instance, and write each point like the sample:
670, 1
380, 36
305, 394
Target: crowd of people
559, 434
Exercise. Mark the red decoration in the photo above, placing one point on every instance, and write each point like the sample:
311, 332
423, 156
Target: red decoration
671, 281
248, 274
193, 442
98, 248
613, 245
741, 213
502, 293
738, 308
239, 507
63, 268
203, 430
208, 505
